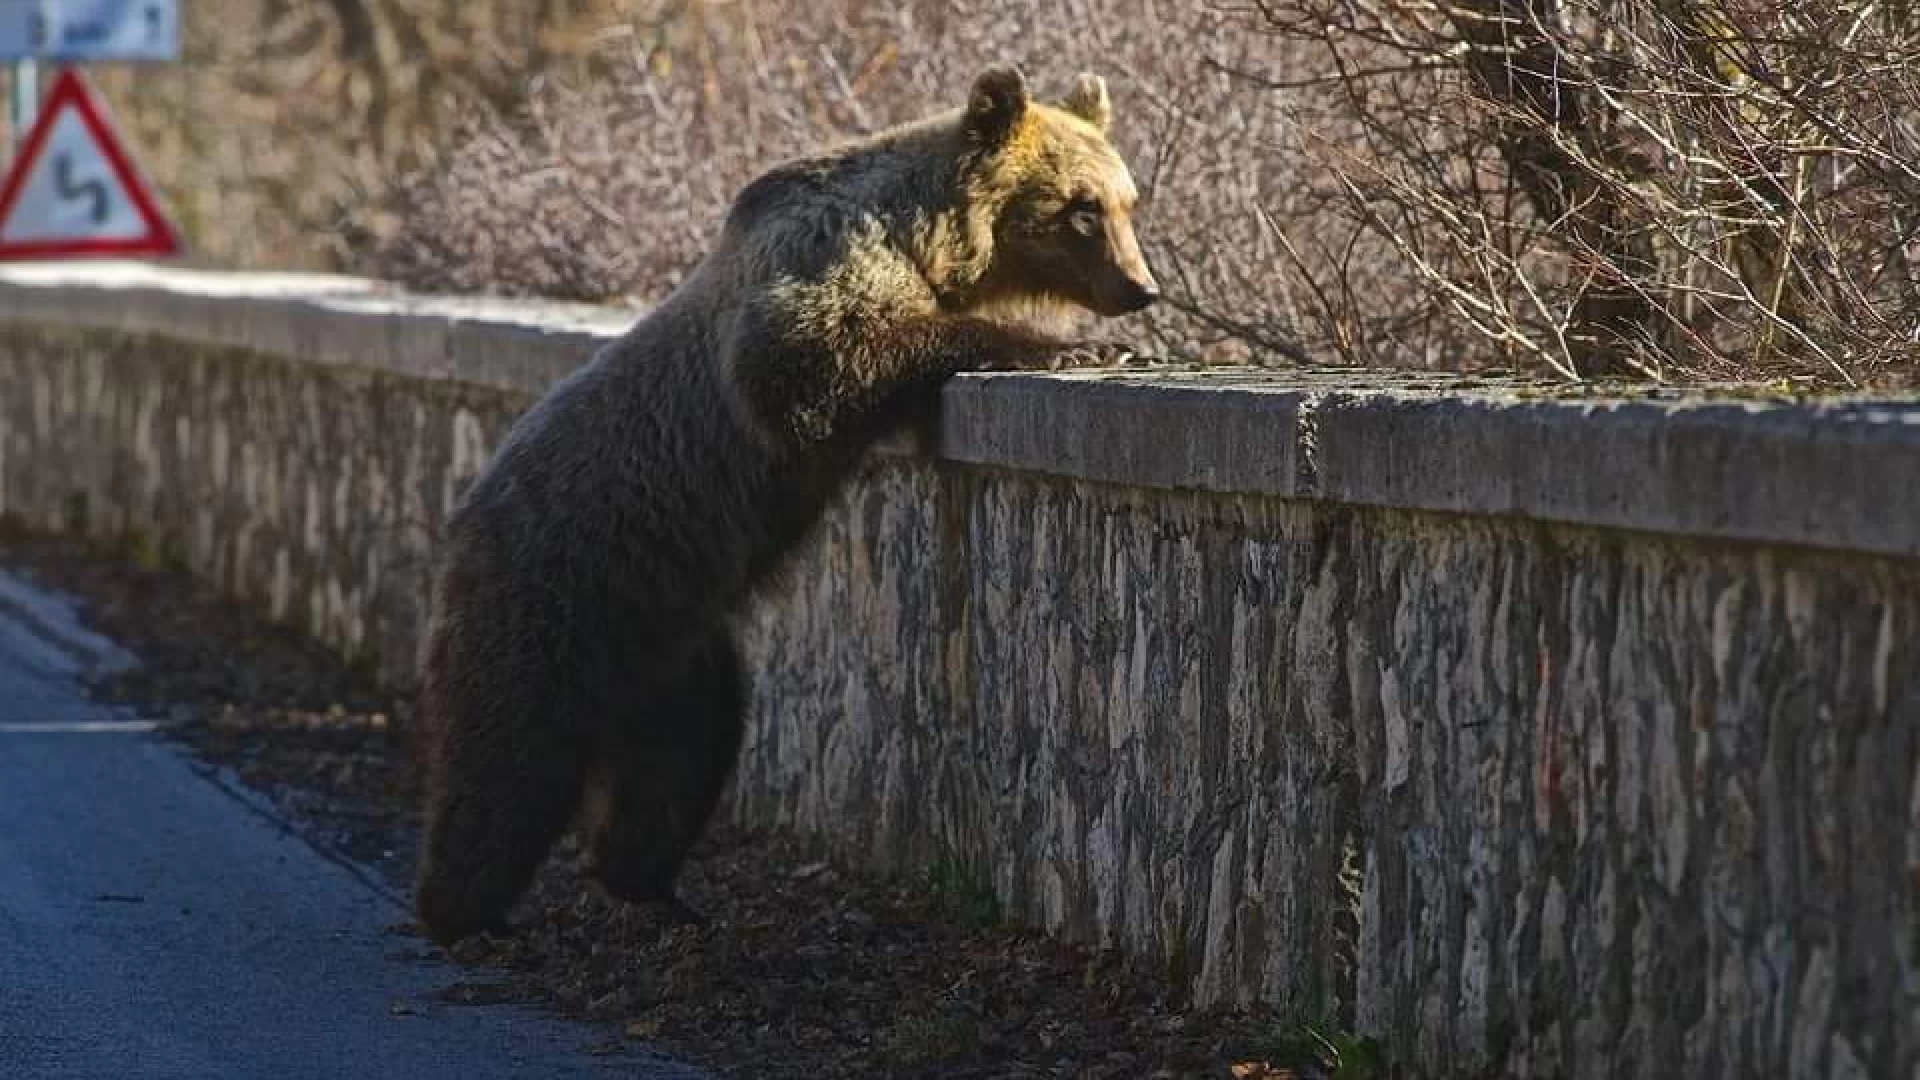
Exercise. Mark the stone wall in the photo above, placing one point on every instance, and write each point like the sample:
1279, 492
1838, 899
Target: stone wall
1534, 736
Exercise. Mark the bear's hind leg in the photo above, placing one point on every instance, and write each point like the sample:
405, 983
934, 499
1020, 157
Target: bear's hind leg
497, 807
664, 767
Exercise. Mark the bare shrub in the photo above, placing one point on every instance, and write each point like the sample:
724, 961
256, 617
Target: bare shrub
610, 181
1644, 187
1654, 187
275, 138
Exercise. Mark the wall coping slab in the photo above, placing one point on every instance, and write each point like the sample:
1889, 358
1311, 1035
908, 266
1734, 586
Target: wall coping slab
1727, 463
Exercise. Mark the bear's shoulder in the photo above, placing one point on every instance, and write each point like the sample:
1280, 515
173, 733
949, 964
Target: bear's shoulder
780, 191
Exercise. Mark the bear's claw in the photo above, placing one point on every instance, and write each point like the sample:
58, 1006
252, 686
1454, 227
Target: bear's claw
1092, 354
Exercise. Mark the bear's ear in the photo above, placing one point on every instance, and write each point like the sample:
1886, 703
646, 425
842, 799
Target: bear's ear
1088, 100
998, 101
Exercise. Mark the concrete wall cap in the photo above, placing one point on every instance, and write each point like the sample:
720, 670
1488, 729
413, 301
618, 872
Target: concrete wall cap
1835, 473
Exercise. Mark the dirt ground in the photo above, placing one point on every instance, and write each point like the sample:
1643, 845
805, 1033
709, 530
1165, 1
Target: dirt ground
806, 970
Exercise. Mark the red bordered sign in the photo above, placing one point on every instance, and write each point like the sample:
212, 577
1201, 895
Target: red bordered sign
73, 190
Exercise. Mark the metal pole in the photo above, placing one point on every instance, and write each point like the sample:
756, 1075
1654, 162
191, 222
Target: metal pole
25, 100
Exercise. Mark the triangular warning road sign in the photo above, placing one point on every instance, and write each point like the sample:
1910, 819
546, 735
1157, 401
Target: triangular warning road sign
73, 190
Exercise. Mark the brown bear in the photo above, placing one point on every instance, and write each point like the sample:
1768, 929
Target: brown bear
579, 638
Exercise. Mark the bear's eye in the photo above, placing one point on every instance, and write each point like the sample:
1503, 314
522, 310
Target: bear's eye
1083, 216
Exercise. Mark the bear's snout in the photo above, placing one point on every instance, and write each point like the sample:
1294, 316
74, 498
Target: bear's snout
1138, 295
1122, 293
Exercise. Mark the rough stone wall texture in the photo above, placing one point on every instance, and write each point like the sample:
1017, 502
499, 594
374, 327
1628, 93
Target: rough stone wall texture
1528, 800
1518, 798
314, 491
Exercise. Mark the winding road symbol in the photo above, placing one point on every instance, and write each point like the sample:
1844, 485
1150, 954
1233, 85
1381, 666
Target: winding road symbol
72, 190
95, 189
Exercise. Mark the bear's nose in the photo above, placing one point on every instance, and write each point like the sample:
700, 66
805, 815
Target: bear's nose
1140, 294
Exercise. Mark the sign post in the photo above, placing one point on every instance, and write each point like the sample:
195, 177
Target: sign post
79, 31
25, 99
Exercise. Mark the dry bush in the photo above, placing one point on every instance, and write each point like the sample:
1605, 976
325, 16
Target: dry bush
1653, 187
275, 137
1669, 187
612, 180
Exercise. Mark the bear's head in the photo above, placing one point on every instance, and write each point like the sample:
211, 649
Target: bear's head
1058, 199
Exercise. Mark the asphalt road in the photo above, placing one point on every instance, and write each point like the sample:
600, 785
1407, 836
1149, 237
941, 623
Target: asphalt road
156, 922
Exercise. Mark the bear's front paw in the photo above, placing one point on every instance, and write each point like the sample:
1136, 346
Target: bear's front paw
1092, 354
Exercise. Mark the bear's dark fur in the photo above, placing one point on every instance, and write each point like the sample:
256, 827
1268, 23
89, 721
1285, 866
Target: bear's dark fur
579, 638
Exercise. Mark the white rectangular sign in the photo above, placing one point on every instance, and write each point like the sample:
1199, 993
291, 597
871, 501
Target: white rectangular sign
76, 30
